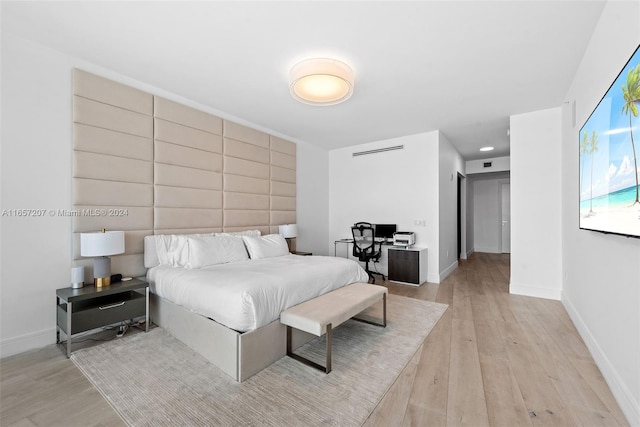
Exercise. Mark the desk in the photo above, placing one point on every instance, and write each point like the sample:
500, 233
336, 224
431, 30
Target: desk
380, 266
385, 242
335, 246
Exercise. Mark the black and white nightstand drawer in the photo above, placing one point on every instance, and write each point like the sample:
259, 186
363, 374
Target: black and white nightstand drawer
97, 312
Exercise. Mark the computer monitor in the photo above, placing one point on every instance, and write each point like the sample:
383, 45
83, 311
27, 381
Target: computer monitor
385, 230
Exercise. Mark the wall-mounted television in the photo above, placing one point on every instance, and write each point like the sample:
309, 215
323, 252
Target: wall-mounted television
609, 146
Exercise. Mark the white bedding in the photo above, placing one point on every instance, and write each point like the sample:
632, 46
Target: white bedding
247, 295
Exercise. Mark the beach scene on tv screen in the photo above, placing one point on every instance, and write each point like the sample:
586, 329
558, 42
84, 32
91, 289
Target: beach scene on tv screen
609, 144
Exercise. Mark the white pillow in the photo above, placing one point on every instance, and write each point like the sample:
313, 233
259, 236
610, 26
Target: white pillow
240, 233
212, 250
271, 245
168, 249
172, 250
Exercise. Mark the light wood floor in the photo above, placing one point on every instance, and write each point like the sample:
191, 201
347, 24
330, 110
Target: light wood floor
493, 359
496, 359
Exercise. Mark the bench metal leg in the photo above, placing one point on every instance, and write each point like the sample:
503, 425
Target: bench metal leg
327, 367
384, 315
306, 361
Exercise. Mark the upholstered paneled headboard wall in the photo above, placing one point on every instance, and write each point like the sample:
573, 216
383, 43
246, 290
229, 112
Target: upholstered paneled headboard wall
147, 165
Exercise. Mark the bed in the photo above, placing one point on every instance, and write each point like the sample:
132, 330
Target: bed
222, 294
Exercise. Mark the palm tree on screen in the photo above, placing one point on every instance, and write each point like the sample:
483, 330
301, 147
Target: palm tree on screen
631, 94
584, 148
593, 147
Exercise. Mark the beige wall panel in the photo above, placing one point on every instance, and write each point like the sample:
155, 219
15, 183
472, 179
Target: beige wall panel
280, 203
98, 193
189, 230
98, 140
133, 242
264, 229
137, 218
180, 155
179, 176
245, 134
244, 218
236, 166
283, 175
177, 218
243, 150
180, 197
283, 146
106, 116
244, 184
283, 160
109, 92
128, 265
178, 113
111, 168
283, 189
237, 201
282, 217
189, 137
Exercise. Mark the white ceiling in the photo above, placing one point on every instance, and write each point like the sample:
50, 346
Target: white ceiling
462, 67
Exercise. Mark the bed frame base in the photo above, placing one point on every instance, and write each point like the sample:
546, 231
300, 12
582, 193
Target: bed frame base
239, 355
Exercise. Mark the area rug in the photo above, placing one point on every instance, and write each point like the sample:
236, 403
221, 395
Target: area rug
152, 379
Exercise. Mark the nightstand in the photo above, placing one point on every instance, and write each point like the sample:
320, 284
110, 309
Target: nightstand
80, 310
302, 253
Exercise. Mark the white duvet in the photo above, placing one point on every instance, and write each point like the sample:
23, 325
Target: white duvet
247, 295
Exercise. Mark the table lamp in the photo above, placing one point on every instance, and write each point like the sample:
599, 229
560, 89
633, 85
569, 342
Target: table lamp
101, 245
288, 231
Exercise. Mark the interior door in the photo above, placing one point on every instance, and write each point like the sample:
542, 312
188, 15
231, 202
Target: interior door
505, 203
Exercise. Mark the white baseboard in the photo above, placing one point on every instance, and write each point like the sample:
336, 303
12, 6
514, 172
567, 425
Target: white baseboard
466, 255
630, 408
447, 271
30, 341
488, 250
532, 291
433, 278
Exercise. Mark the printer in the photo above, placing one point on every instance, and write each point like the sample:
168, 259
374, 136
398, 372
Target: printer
404, 238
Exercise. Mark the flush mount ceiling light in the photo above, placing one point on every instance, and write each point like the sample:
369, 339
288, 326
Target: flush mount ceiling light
486, 149
321, 81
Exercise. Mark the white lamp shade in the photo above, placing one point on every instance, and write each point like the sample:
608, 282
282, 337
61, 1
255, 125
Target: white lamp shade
102, 243
288, 231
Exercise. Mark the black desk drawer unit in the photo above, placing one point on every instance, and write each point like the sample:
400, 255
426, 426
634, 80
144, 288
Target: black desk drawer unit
408, 265
403, 266
101, 311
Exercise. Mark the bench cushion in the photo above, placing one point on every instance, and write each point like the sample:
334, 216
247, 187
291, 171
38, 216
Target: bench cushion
336, 307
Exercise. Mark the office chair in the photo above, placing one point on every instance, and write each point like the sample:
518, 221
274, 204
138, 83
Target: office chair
364, 247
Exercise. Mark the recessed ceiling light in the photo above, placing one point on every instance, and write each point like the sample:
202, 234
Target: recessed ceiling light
486, 149
321, 81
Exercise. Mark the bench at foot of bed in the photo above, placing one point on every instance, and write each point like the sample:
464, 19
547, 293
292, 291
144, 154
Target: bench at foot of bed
321, 314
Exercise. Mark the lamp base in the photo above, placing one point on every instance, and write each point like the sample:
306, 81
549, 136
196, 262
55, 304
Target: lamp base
100, 282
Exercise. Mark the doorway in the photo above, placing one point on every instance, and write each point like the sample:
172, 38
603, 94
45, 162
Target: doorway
505, 218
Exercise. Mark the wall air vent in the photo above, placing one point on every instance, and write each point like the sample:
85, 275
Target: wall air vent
379, 150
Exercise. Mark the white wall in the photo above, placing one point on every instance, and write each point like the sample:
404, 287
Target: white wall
375, 189
450, 165
602, 272
312, 210
536, 171
498, 164
36, 174
487, 218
